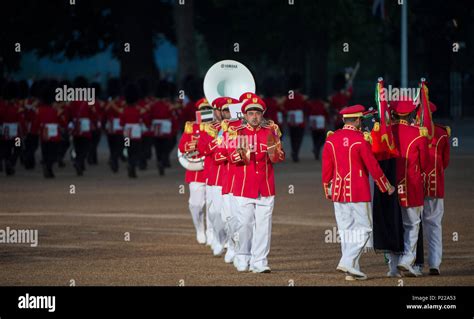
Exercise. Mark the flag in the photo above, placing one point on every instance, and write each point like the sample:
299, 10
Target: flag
383, 145
423, 116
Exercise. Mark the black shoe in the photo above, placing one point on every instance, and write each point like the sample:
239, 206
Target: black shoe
61, 164
10, 171
113, 166
142, 166
161, 170
295, 158
434, 272
79, 171
45, 172
132, 173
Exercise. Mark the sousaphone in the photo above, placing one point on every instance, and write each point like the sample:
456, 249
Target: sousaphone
225, 78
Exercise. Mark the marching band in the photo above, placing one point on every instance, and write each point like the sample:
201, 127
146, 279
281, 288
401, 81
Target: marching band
229, 152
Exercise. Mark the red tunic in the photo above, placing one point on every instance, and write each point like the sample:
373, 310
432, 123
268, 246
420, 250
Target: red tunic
438, 162
229, 171
207, 145
47, 123
131, 122
295, 109
255, 178
412, 146
317, 115
161, 119
83, 118
347, 162
192, 131
113, 117
13, 120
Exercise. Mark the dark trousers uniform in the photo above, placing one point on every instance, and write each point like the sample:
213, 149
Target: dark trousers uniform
172, 143
49, 155
81, 147
296, 138
92, 158
63, 147
116, 144
31, 145
10, 154
133, 154
161, 151
145, 155
318, 141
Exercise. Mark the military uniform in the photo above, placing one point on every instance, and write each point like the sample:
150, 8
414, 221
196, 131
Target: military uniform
13, 129
83, 121
47, 124
114, 131
317, 118
347, 162
412, 145
295, 109
195, 179
208, 145
254, 191
131, 121
433, 209
162, 127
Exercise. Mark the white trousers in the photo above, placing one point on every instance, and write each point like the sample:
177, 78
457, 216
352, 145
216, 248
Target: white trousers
411, 217
354, 223
209, 229
432, 216
197, 199
215, 215
254, 220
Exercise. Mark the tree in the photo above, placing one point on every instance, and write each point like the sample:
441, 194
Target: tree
82, 28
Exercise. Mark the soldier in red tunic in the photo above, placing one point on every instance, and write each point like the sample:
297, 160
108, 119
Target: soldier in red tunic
131, 121
257, 148
47, 123
412, 145
208, 145
13, 127
195, 179
318, 118
347, 162
295, 107
433, 209
229, 126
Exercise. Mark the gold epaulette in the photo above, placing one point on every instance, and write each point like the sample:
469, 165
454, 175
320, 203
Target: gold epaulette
329, 133
232, 132
225, 125
448, 130
368, 137
423, 131
188, 127
211, 130
376, 126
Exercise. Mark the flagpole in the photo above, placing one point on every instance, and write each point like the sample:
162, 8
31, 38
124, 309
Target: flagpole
404, 46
